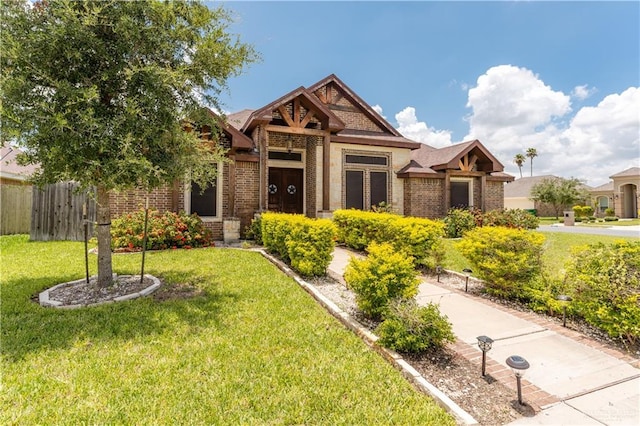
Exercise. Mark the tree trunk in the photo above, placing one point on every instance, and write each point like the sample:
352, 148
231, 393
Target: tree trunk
105, 270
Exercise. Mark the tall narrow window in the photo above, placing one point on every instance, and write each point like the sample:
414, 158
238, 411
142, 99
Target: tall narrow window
204, 203
355, 189
378, 188
460, 194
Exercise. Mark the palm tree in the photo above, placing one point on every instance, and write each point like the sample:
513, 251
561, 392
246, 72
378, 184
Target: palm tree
531, 152
519, 159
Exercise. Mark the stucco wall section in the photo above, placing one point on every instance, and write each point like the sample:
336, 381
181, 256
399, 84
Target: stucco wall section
518, 203
399, 158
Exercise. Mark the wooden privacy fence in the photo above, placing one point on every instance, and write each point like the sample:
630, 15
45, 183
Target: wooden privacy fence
56, 213
15, 209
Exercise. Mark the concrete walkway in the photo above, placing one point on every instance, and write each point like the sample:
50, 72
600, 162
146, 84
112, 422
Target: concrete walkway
572, 380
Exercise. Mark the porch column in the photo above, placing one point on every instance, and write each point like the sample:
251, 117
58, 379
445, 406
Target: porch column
326, 166
264, 168
447, 192
483, 191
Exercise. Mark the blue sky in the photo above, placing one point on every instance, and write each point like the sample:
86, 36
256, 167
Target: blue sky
561, 77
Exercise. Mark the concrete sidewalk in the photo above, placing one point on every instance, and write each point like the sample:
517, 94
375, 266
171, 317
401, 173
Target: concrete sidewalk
572, 379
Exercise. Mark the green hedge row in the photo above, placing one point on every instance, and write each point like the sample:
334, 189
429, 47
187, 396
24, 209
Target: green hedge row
418, 237
306, 244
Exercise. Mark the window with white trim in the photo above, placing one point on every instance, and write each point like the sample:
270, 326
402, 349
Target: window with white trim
205, 203
461, 193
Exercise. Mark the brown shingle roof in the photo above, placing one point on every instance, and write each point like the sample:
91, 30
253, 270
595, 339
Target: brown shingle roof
9, 167
429, 160
630, 172
607, 187
238, 119
522, 187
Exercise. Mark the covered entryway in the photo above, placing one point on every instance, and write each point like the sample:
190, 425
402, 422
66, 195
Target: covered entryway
286, 190
629, 201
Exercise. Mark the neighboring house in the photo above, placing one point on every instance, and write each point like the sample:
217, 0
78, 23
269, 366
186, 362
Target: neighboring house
602, 198
15, 193
621, 194
517, 195
322, 148
10, 172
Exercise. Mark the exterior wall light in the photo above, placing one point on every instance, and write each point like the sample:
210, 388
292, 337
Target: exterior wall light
565, 301
467, 272
518, 365
484, 343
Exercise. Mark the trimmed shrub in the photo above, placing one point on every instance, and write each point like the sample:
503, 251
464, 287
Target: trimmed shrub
504, 258
164, 230
310, 246
420, 238
254, 230
357, 228
582, 211
306, 244
384, 275
458, 221
605, 282
610, 218
609, 212
275, 229
511, 218
411, 328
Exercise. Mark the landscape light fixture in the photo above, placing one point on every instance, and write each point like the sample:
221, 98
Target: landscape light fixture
438, 271
565, 300
484, 343
467, 272
518, 365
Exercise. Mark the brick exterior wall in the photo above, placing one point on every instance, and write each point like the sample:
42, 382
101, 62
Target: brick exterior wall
352, 118
424, 197
130, 201
494, 195
247, 192
312, 180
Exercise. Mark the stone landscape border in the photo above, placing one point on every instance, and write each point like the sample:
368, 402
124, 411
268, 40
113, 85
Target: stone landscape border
461, 416
46, 301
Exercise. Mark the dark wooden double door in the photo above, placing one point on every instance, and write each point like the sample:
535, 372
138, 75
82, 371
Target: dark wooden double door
286, 190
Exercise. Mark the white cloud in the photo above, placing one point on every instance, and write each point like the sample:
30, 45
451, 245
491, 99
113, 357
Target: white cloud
509, 101
377, 108
512, 109
604, 139
583, 92
419, 131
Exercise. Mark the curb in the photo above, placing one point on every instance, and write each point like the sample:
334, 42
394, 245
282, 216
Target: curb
461, 416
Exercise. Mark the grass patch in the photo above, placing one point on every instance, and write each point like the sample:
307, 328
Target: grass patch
550, 220
621, 222
557, 250
249, 347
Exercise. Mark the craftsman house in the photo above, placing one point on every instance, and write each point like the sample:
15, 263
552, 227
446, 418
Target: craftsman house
322, 148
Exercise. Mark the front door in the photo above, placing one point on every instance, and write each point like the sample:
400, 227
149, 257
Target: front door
285, 190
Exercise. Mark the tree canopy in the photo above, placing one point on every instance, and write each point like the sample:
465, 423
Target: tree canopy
98, 91
559, 192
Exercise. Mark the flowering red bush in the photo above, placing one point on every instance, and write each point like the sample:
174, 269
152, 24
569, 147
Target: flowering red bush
164, 230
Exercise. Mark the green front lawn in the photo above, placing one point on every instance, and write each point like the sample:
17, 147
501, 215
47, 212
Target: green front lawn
251, 347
